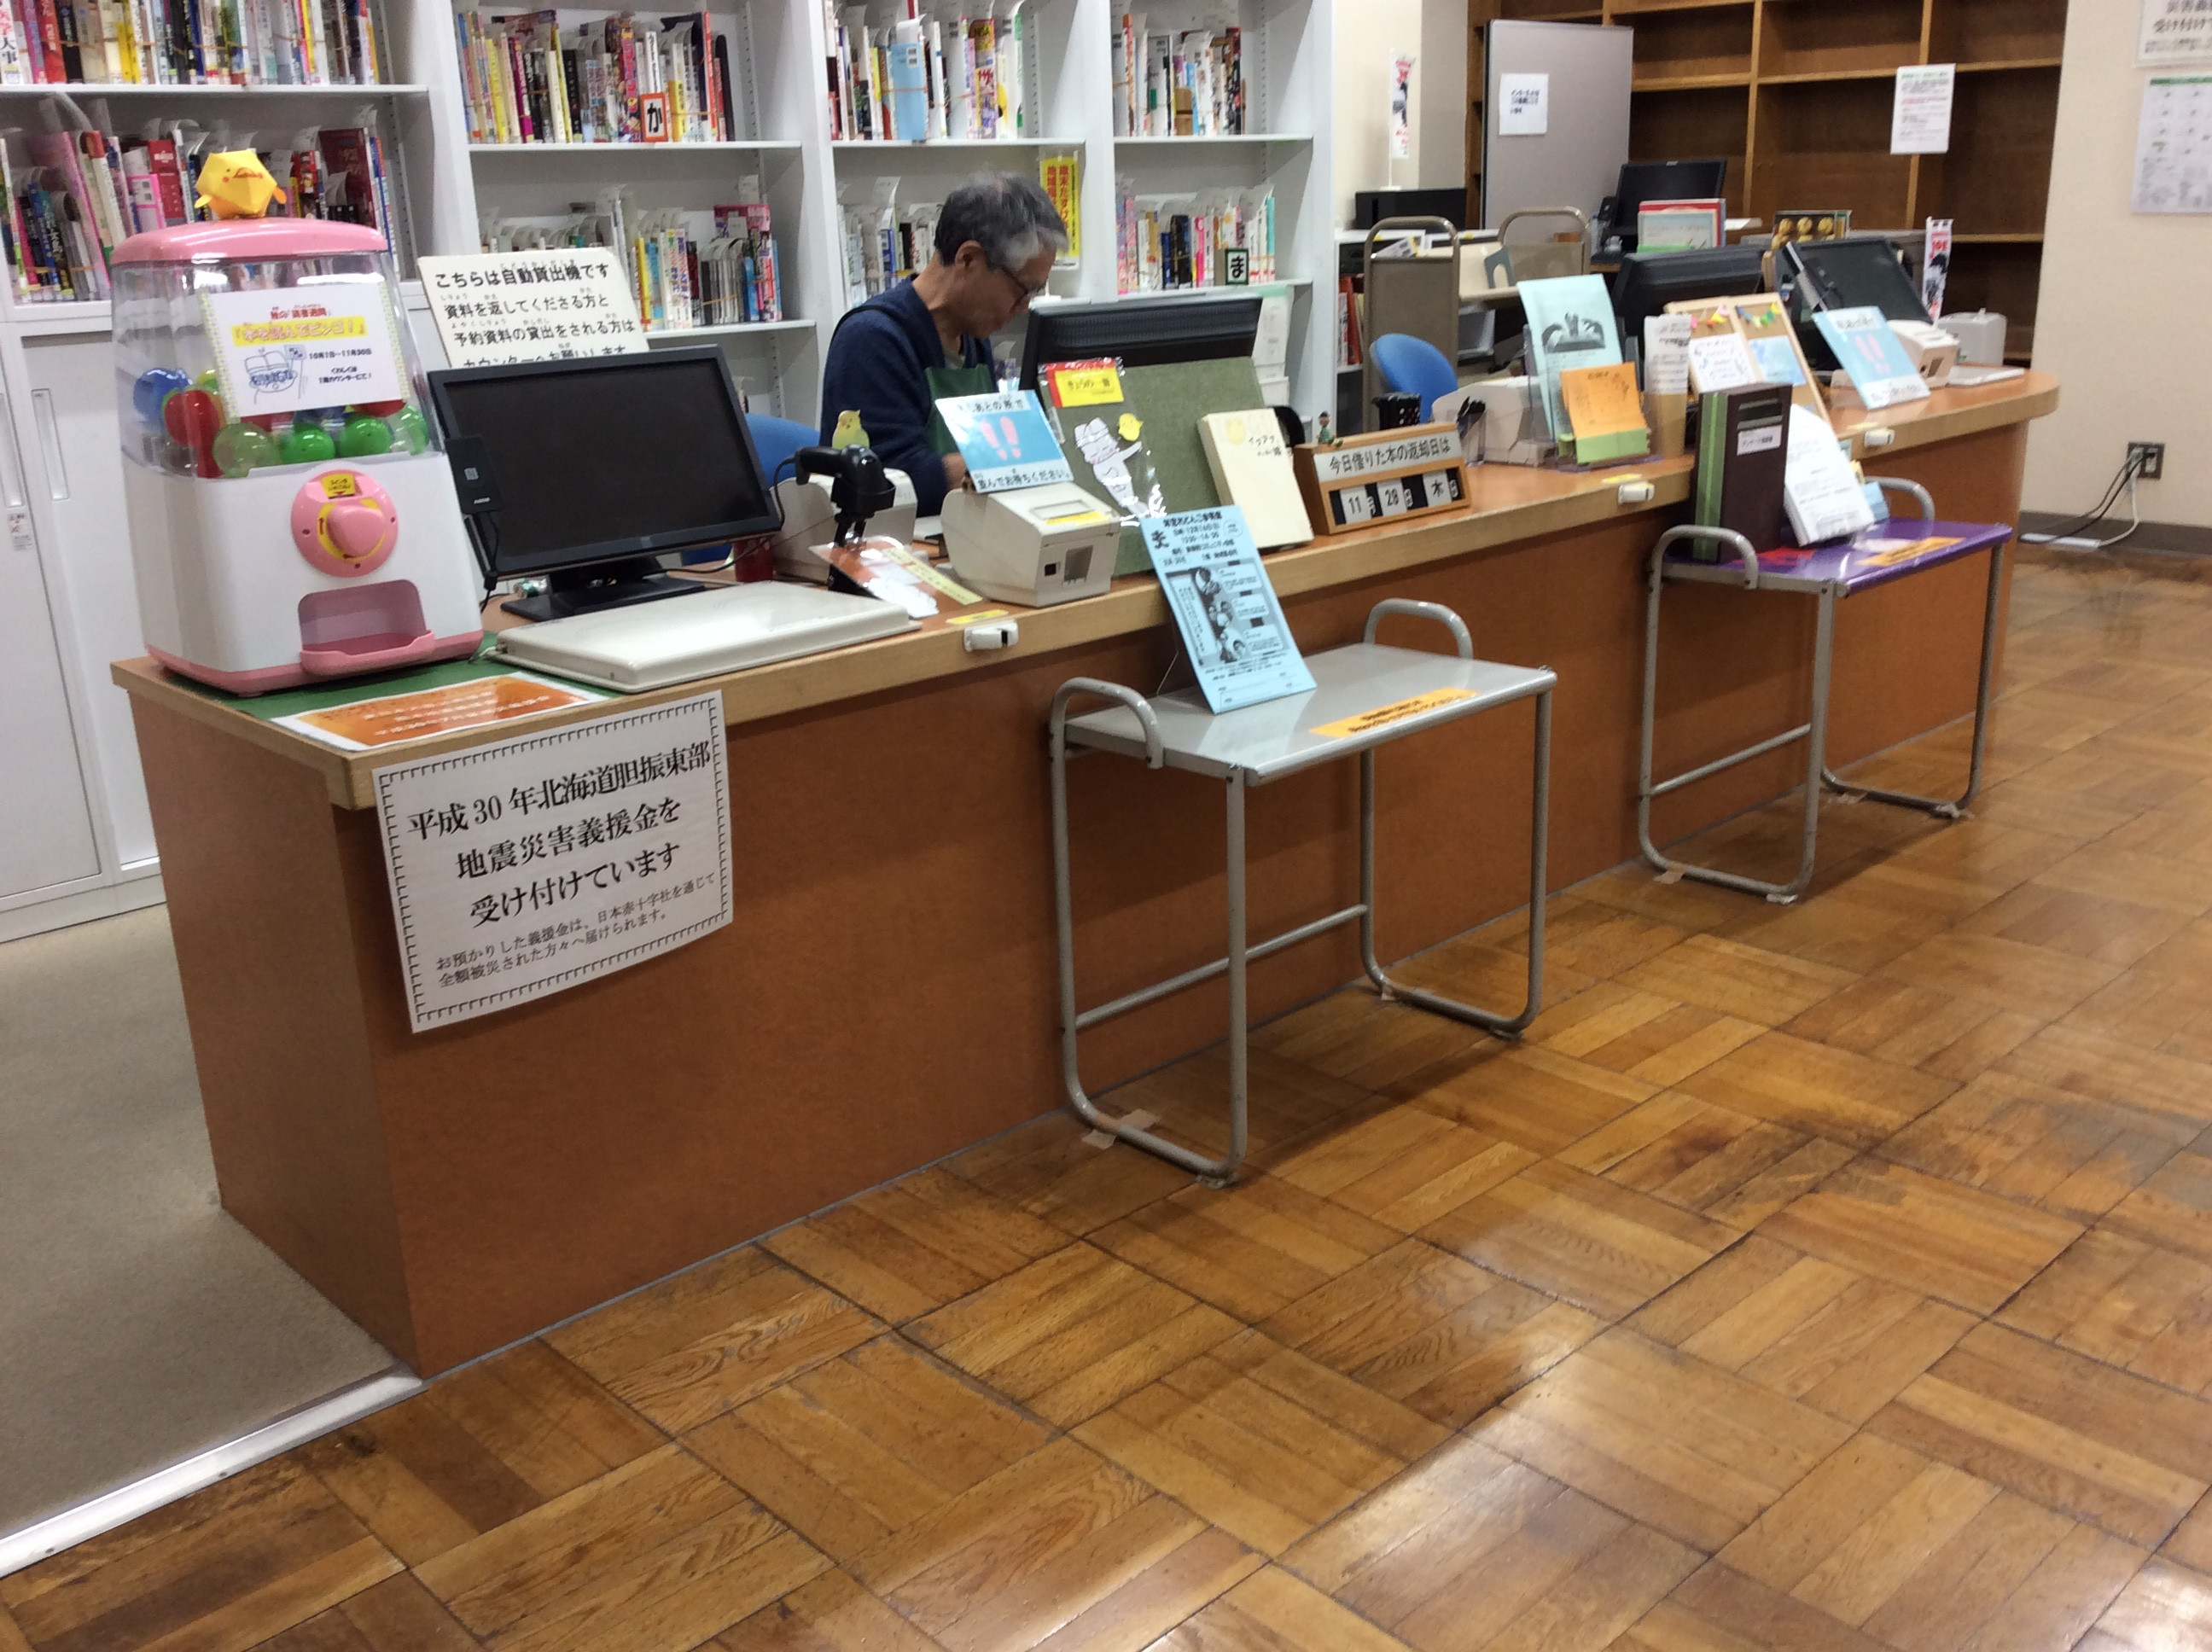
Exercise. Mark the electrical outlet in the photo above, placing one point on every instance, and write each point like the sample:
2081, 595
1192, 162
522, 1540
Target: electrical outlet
2153, 459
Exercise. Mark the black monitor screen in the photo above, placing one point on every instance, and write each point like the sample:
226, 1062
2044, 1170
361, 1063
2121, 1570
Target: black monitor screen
1663, 180
610, 458
1142, 332
1858, 270
1650, 281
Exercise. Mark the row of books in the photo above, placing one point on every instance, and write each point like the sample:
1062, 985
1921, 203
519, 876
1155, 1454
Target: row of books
623, 79
188, 42
686, 268
74, 196
1178, 82
1222, 238
951, 75
885, 243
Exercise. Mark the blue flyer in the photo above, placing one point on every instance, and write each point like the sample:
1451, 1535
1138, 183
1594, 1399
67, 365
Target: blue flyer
1232, 627
1005, 440
1871, 355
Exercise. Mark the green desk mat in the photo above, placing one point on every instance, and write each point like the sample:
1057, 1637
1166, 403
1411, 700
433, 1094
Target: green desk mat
289, 702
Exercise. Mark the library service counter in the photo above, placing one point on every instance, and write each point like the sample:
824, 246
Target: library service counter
884, 995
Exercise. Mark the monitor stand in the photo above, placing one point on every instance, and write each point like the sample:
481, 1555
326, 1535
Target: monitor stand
606, 585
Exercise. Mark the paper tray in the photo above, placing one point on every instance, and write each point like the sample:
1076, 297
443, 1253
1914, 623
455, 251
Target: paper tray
651, 644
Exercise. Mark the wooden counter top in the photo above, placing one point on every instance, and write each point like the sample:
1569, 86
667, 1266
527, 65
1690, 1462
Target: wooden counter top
1508, 505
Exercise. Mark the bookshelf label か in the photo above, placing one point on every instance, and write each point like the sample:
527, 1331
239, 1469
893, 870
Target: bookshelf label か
531, 865
495, 307
280, 349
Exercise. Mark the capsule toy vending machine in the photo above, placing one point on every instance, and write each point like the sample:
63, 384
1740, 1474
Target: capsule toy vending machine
292, 517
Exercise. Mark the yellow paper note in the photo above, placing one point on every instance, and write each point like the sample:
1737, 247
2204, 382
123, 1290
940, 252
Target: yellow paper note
1602, 401
1085, 386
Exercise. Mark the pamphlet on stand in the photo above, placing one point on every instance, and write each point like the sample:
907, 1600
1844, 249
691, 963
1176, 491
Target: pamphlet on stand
1005, 440
1825, 500
1232, 625
1872, 356
1571, 325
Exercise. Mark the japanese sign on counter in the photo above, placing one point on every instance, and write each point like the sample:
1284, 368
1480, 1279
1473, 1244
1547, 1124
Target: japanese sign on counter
564, 302
538, 863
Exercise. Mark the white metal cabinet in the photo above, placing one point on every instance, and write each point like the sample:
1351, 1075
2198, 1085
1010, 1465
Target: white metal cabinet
47, 836
65, 424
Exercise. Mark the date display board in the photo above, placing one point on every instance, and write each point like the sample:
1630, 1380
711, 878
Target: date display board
1382, 476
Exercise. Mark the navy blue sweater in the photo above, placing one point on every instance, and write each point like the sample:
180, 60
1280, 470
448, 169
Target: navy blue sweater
877, 359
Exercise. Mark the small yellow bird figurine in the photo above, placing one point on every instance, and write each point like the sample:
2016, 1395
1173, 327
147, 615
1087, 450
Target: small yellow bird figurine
848, 433
235, 184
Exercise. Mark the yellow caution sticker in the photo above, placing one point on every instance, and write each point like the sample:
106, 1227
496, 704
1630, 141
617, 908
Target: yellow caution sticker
971, 619
1396, 711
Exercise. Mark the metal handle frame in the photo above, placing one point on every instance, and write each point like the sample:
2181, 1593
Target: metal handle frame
1820, 779
1219, 1173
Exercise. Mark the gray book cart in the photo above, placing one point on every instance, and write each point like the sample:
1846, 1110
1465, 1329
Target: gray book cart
1828, 573
1365, 696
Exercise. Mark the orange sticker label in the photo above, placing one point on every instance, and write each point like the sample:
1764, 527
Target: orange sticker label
1396, 711
437, 711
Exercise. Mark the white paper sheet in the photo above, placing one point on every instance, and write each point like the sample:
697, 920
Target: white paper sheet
1524, 105
1920, 117
2174, 146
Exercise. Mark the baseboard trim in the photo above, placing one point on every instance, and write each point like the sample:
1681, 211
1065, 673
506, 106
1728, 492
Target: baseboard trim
2169, 538
134, 887
104, 1513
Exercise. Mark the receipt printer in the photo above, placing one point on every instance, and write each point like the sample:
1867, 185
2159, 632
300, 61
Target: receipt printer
810, 522
1036, 546
1932, 350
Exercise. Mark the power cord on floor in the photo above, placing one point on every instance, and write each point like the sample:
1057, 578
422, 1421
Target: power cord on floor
2067, 536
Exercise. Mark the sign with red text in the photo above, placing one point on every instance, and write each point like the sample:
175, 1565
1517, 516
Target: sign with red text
527, 866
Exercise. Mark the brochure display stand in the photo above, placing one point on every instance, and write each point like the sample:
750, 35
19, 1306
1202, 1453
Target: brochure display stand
1364, 695
1829, 573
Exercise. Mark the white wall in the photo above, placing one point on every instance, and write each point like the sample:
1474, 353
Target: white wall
2125, 317
1369, 34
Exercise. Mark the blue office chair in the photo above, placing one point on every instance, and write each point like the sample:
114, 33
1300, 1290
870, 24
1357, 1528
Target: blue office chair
775, 441
1414, 365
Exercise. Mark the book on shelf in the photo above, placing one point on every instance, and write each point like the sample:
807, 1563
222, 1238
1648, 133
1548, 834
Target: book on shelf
1171, 82
526, 79
188, 43
956, 71
686, 268
73, 196
1211, 238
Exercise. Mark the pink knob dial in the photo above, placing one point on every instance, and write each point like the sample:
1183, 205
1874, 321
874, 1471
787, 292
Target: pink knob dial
344, 523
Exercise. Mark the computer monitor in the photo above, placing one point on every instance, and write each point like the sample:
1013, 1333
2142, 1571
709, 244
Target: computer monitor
1855, 270
587, 470
1859, 269
1369, 207
1142, 332
1650, 281
1663, 180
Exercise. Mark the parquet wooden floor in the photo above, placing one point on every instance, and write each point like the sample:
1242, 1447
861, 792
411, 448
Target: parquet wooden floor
1831, 1278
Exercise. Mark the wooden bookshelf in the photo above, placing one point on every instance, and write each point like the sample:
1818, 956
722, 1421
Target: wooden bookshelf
1796, 94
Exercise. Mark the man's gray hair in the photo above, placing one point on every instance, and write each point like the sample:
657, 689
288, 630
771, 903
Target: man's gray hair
1008, 215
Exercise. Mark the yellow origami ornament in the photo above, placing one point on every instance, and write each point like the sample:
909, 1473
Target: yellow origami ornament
235, 184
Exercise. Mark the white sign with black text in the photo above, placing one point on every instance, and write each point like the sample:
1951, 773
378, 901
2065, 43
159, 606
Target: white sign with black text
533, 863
559, 304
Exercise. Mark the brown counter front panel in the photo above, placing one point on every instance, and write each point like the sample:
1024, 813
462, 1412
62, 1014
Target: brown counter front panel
884, 995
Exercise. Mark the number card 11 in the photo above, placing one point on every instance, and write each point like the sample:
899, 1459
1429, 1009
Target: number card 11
1384, 477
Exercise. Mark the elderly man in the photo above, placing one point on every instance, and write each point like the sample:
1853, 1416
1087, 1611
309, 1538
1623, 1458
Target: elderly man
997, 236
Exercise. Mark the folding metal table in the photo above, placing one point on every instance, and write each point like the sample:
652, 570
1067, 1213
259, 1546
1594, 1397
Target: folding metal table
1886, 553
1364, 697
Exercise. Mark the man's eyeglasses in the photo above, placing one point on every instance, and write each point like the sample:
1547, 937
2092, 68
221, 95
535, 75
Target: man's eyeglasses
1029, 290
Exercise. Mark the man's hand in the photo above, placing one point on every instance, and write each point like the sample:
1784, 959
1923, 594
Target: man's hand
955, 472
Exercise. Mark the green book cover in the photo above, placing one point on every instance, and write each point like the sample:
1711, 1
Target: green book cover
1712, 472
1169, 399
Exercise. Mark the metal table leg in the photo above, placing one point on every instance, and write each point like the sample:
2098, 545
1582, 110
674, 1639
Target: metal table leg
1955, 810
1505, 1026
